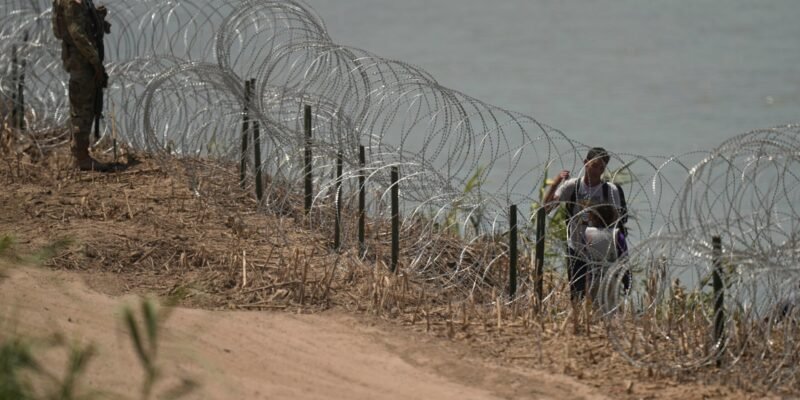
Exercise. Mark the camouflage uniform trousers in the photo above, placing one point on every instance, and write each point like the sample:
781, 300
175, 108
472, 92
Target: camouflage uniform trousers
82, 92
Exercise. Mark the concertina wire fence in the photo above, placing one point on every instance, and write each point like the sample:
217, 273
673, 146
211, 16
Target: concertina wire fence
177, 71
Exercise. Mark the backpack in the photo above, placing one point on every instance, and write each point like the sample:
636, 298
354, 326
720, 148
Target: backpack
623, 206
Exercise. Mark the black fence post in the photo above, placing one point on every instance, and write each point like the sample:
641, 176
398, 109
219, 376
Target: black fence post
395, 220
719, 297
362, 202
309, 188
245, 132
21, 93
538, 276
257, 149
337, 235
512, 251
14, 77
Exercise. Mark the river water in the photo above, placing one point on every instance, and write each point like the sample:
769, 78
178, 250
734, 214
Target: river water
649, 78
653, 78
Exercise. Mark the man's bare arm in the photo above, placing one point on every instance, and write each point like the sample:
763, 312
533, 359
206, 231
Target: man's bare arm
551, 191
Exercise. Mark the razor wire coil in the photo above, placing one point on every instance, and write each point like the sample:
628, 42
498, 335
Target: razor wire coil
177, 89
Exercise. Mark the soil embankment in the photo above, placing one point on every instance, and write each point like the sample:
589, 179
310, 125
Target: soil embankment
235, 354
268, 310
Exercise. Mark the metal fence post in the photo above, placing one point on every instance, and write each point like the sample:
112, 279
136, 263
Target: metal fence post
337, 235
512, 251
538, 276
14, 77
362, 200
20, 123
309, 188
257, 149
245, 132
719, 298
395, 220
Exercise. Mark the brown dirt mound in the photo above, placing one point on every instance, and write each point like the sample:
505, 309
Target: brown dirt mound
240, 355
144, 231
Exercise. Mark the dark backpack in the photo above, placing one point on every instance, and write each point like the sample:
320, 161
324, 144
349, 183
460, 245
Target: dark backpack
623, 206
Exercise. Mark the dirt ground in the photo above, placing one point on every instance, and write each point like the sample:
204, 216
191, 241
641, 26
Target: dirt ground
263, 310
236, 354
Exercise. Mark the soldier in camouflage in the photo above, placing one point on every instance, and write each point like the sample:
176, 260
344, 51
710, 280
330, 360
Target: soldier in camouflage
73, 24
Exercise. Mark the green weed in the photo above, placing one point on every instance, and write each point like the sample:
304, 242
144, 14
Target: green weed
475, 216
6, 243
16, 357
49, 251
22, 377
144, 336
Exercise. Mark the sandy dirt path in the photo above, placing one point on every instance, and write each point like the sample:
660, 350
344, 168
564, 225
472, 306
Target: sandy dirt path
259, 355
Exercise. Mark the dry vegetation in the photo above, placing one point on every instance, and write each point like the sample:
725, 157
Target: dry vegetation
144, 230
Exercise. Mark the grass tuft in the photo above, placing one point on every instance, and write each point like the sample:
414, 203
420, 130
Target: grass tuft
15, 357
50, 250
6, 242
23, 378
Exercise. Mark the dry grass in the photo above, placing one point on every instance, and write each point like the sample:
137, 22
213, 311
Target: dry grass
219, 250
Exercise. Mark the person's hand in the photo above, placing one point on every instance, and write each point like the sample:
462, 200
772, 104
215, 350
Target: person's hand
100, 77
102, 12
551, 191
562, 176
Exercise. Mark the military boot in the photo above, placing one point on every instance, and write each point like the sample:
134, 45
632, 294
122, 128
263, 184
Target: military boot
84, 161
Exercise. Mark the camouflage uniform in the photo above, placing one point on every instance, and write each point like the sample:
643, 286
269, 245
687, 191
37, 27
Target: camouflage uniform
72, 24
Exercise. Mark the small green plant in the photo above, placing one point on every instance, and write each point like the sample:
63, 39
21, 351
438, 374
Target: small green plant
146, 347
16, 357
212, 147
38, 257
556, 233
621, 175
23, 377
476, 215
146, 351
50, 250
6, 242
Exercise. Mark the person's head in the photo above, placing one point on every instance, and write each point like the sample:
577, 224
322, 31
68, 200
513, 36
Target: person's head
595, 163
603, 215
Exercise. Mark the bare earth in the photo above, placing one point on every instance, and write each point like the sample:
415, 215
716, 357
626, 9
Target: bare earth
266, 309
264, 354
